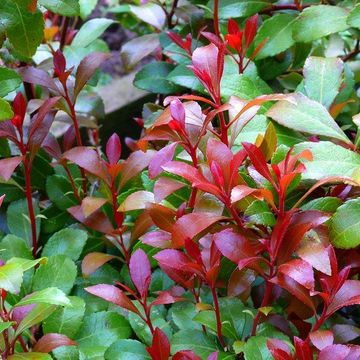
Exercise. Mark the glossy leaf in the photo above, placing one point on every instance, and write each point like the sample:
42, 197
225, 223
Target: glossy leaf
51, 341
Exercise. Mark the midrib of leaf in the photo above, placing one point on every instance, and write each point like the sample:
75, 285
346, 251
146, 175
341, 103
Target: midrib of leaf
24, 28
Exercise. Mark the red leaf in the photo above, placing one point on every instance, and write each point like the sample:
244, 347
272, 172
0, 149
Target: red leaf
190, 225
51, 341
8, 166
302, 349
162, 216
239, 192
233, 245
300, 271
19, 106
240, 283
89, 160
338, 352
166, 186
349, 294
134, 164
279, 349
59, 63
185, 355
169, 297
97, 221
295, 289
322, 338
114, 295
113, 149
160, 347
177, 111
37, 76
140, 271
258, 160
2, 197
93, 261
317, 256
161, 158
158, 239
250, 29
87, 68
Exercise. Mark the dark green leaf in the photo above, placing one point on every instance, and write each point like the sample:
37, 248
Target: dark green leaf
62, 7
127, 350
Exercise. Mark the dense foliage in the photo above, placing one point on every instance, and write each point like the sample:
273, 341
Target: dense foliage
232, 229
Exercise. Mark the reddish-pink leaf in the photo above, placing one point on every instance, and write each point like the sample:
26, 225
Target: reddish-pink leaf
52, 147
234, 246
166, 186
349, 294
279, 349
19, 106
354, 353
2, 197
317, 256
213, 356
114, 295
240, 283
159, 239
93, 261
136, 201
322, 338
8, 166
160, 347
51, 341
295, 289
250, 29
332, 352
89, 160
177, 111
97, 221
134, 164
59, 63
113, 149
140, 271
302, 349
169, 297
162, 216
141, 225
190, 225
300, 271
91, 204
185, 355
37, 76
162, 157
239, 192
87, 68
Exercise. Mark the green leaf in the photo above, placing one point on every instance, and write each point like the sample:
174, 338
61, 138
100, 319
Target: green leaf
9, 81
256, 348
100, 330
66, 353
18, 219
60, 272
318, 21
26, 264
35, 316
6, 112
354, 17
308, 116
328, 160
87, 7
52, 296
6, 325
11, 277
277, 31
153, 77
60, 192
195, 340
238, 8
260, 213
66, 320
345, 225
13, 246
182, 314
236, 322
69, 242
322, 79
23, 28
243, 86
90, 31
183, 76
30, 356
127, 350
62, 7
327, 204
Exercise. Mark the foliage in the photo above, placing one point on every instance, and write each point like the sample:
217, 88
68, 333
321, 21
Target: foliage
231, 230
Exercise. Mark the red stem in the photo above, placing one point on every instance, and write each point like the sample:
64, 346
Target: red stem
27, 170
72, 182
218, 317
216, 18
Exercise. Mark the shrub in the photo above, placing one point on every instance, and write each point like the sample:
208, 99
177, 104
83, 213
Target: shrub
231, 230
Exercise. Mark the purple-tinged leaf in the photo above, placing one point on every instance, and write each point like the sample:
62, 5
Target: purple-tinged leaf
338, 352
37, 76
140, 271
161, 158
321, 338
51, 341
113, 149
8, 166
114, 295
